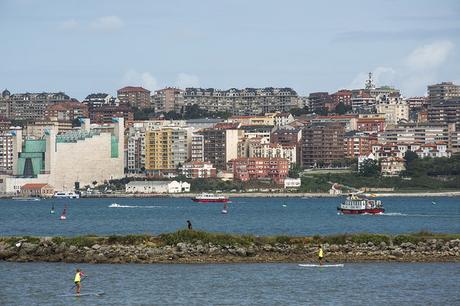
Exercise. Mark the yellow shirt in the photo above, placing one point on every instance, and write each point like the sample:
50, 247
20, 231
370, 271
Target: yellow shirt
320, 253
77, 277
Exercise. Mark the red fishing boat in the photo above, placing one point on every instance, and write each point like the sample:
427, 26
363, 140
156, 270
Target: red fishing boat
355, 204
210, 198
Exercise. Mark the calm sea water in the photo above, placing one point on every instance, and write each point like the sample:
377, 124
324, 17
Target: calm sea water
259, 216
236, 284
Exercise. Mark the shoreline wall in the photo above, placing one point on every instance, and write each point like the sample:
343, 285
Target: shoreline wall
264, 195
157, 249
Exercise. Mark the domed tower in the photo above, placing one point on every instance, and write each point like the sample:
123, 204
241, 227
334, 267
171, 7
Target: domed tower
6, 93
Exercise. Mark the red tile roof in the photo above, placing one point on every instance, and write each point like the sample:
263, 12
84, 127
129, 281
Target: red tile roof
132, 89
33, 186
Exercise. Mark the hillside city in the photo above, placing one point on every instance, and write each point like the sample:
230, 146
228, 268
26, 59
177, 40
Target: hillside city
252, 139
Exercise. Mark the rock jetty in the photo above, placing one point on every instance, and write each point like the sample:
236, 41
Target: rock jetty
201, 247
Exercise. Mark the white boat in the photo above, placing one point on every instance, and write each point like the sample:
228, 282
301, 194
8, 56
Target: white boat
66, 195
210, 198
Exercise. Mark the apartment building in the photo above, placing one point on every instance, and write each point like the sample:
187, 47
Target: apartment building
6, 152
166, 148
67, 111
322, 143
96, 100
358, 143
431, 150
220, 143
197, 148
418, 133
445, 111
247, 101
394, 108
5, 123
318, 100
134, 96
370, 123
168, 99
198, 169
105, 113
275, 169
349, 121
135, 151
286, 136
342, 96
442, 92
261, 147
29, 106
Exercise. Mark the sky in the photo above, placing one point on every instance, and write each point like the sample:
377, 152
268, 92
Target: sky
86, 46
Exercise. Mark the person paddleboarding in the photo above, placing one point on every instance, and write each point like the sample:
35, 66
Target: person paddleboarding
78, 277
320, 254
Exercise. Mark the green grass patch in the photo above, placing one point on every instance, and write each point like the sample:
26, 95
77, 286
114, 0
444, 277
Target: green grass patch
78, 241
214, 238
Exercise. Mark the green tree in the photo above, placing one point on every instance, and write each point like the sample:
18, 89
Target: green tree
297, 111
295, 171
143, 114
369, 168
340, 108
172, 115
194, 112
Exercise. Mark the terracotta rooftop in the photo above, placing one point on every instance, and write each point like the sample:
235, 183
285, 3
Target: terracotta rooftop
132, 89
33, 186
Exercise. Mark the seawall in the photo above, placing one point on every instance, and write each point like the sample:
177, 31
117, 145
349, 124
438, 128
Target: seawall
200, 247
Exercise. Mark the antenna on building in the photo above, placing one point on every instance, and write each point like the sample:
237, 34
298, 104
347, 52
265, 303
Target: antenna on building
369, 82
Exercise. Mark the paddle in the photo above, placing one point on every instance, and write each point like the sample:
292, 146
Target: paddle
83, 278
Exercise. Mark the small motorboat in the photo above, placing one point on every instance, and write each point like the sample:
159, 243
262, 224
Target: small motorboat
52, 209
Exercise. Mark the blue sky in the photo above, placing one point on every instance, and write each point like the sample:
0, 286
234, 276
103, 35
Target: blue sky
87, 46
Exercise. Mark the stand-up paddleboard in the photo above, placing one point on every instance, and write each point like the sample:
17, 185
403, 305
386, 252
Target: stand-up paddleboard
321, 266
83, 294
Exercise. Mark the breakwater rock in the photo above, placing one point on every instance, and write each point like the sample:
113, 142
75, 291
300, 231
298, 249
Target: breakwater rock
200, 247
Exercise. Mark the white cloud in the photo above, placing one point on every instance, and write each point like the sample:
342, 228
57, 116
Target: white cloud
429, 56
416, 84
187, 80
420, 69
107, 24
384, 75
144, 79
70, 24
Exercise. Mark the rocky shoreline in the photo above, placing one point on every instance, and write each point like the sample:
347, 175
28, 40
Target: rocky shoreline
221, 249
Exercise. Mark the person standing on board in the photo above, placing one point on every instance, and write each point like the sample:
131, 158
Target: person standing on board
78, 275
189, 225
320, 254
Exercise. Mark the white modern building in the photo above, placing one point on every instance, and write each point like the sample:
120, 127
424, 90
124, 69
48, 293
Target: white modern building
292, 183
157, 187
93, 153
